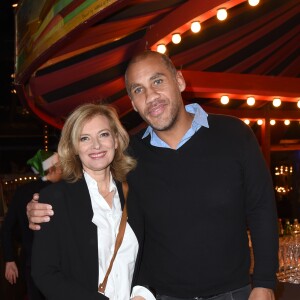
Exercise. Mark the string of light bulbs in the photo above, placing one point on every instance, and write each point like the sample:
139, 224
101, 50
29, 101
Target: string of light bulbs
195, 26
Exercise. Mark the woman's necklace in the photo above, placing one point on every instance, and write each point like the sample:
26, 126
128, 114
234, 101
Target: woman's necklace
104, 196
109, 197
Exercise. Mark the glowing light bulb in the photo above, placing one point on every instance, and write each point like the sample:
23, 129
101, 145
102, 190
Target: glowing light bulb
253, 2
250, 101
161, 48
195, 26
276, 102
287, 122
298, 103
224, 99
176, 38
222, 14
272, 122
246, 121
259, 122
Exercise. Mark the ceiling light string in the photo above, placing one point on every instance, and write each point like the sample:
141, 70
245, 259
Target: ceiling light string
272, 122
195, 26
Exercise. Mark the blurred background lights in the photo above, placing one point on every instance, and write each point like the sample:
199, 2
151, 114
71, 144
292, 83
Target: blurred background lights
276, 102
195, 26
247, 121
287, 122
224, 99
222, 14
250, 101
253, 2
259, 122
272, 122
298, 103
176, 38
161, 48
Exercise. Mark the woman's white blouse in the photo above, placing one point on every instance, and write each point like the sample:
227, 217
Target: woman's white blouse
107, 221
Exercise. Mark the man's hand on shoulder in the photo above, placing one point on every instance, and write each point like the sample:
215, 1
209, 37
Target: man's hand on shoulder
38, 212
262, 294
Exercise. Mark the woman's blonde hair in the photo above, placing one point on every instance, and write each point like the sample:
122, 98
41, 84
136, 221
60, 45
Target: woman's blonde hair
69, 140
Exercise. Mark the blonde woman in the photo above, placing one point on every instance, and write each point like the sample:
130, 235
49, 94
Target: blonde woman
72, 253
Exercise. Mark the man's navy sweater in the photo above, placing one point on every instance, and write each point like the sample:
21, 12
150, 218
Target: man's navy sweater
190, 209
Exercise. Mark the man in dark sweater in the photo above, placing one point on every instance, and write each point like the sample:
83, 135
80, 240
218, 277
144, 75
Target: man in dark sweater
44, 164
201, 182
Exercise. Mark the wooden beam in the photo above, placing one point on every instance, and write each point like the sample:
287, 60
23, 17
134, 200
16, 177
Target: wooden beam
255, 114
285, 147
239, 86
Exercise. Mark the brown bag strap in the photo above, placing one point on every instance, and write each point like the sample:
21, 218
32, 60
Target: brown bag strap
119, 238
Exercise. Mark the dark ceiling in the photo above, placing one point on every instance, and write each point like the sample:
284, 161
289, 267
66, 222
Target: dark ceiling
255, 52
21, 132
7, 51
